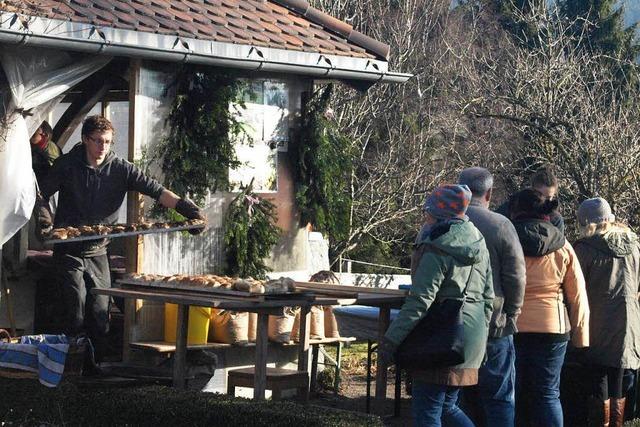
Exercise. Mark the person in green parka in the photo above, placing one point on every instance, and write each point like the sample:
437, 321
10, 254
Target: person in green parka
449, 253
609, 254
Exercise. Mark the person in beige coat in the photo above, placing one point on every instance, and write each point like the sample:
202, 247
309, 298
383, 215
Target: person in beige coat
555, 309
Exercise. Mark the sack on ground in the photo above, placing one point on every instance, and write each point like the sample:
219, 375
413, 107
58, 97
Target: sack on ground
280, 326
253, 327
317, 323
295, 329
330, 323
229, 327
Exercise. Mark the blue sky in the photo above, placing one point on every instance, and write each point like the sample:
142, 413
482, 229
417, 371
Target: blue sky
632, 9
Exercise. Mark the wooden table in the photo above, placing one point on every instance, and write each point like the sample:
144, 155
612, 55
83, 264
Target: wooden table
263, 308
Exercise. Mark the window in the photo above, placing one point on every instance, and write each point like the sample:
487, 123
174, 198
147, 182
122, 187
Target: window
267, 121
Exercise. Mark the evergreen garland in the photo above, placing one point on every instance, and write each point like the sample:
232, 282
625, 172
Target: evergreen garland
250, 234
199, 150
323, 169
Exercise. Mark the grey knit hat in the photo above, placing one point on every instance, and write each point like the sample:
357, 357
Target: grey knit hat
595, 211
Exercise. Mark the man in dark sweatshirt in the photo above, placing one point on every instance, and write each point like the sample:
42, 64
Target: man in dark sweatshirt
496, 377
92, 183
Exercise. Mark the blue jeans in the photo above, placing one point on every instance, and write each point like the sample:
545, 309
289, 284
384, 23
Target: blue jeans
496, 382
538, 366
436, 405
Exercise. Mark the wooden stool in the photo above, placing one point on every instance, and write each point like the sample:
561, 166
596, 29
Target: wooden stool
277, 380
317, 346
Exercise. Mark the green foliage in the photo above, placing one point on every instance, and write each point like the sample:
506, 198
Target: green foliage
604, 27
510, 11
322, 169
199, 150
250, 234
27, 403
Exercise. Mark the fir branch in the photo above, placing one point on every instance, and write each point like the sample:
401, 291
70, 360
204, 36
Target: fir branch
250, 234
199, 150
322, 156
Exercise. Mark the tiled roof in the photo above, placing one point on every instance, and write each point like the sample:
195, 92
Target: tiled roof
284, 24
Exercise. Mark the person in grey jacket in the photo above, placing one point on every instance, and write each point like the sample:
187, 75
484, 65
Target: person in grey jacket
609, 254
496, 380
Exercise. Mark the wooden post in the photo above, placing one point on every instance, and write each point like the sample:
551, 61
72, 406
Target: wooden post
129, 321
336, 379
381, 371
180, 358
262, 337
314, 366
303, 346
133, 244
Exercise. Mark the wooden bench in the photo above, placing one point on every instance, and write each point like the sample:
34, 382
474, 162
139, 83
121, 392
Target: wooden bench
169, 347
277, 380
316, 345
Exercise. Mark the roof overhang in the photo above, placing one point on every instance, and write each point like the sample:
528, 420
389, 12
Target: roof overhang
73, 36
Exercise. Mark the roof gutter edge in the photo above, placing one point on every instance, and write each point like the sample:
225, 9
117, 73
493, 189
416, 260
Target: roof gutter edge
146, 52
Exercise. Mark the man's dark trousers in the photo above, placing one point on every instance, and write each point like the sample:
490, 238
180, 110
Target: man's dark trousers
86, 312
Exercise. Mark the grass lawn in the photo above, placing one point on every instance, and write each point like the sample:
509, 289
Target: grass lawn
27, 403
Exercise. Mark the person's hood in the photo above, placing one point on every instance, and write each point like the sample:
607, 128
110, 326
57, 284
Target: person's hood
617, 241
538, 237
79, 154
460, 239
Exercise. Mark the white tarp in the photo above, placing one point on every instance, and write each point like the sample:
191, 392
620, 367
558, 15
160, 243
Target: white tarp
37, 78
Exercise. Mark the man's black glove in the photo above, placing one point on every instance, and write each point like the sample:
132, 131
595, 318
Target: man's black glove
190, 210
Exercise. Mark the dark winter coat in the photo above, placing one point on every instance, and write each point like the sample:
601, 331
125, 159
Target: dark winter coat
611, 266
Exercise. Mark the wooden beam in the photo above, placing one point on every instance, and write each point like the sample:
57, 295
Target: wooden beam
349, 289
75, 113
134, 245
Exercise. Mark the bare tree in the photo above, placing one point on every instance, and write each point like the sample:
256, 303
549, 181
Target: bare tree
392, 126
563, 108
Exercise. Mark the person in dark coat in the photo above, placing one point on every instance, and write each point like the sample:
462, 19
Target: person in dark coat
92, 183
609, 254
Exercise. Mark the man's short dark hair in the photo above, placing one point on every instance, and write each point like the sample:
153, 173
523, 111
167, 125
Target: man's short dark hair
544, 177
96, 123
479, 180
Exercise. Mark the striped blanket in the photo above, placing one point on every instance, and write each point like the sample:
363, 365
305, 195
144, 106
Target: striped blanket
42, 354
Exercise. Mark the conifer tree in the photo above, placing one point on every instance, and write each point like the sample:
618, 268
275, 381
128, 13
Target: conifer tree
510, 11
603, 26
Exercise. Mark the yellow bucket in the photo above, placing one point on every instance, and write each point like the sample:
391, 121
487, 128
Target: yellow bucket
198, 329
